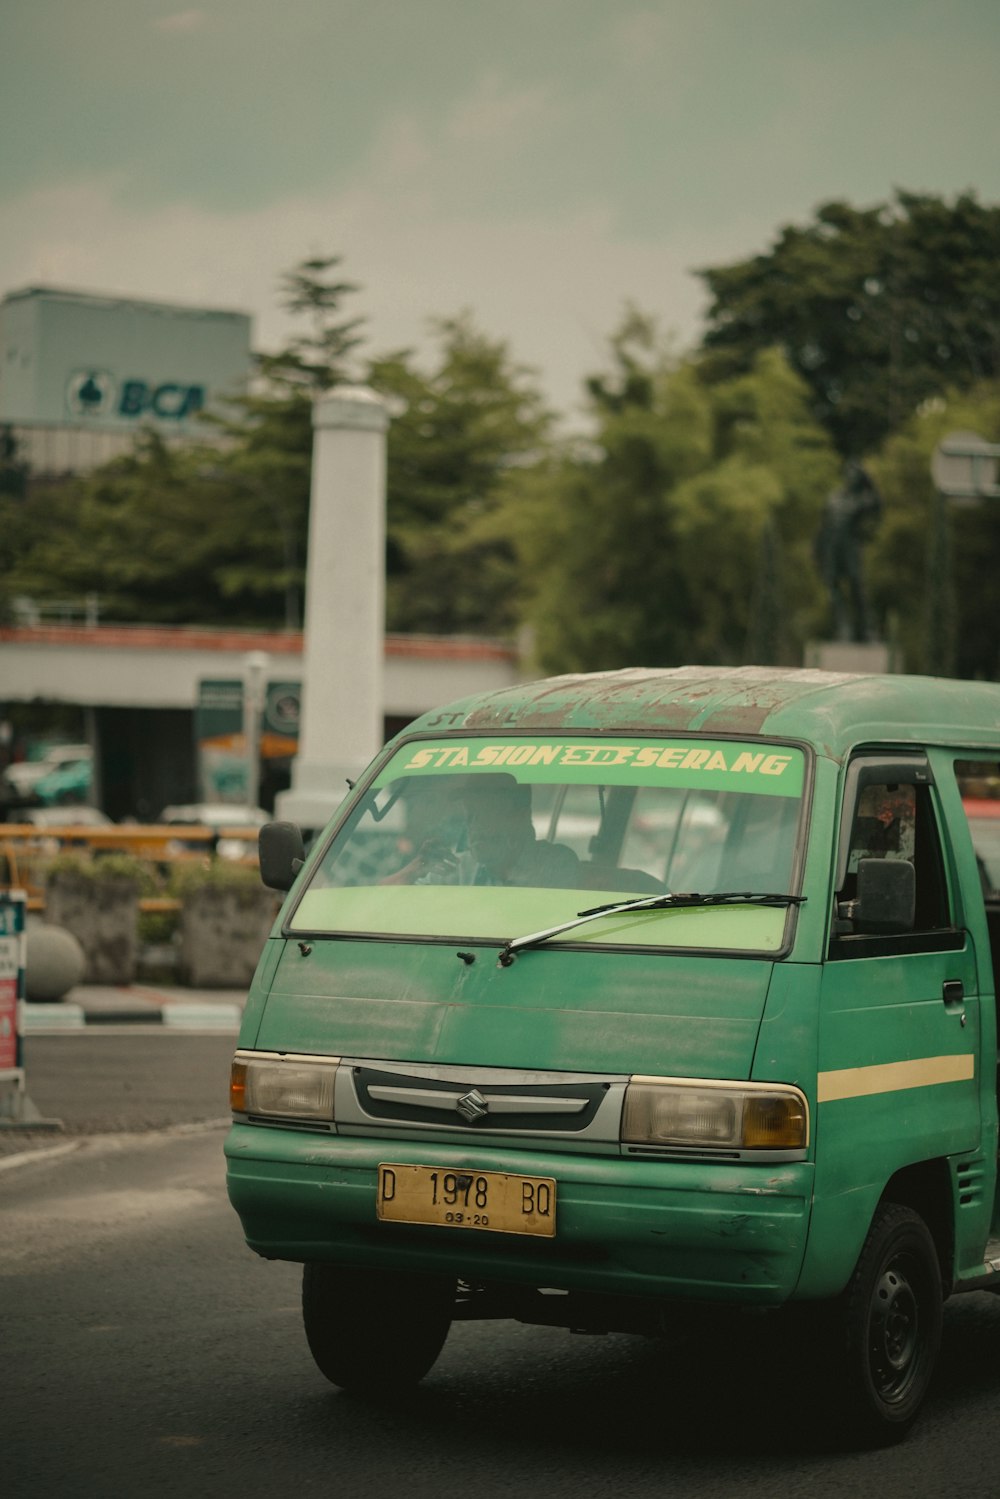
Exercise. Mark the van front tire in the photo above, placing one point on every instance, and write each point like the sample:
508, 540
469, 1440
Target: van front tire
374, 1332
889, 1328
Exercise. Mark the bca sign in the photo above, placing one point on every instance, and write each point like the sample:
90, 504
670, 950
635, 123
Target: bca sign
95, 393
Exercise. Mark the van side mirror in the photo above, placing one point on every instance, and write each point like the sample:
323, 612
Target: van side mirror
282, 854
886, 901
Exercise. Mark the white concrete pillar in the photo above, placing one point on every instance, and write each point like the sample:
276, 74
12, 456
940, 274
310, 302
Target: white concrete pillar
343, 653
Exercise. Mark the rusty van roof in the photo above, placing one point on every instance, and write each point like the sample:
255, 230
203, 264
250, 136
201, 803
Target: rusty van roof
832, 710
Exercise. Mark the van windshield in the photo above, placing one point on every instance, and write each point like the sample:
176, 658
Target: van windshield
485, 837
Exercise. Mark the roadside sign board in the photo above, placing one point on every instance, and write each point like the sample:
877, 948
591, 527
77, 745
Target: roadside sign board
13, 904
964, 467
219, 732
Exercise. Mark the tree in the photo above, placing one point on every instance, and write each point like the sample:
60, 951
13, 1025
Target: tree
877, 309
766, 633
218, 532
215, 532
597, 537
321, 357
933, 569
15, 518
264, 470
691, 517
156, 537
458, 437
13, 468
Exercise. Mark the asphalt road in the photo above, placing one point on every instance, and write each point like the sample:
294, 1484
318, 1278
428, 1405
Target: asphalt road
146, 1351
137, 1078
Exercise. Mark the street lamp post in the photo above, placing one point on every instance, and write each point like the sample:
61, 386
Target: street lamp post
964, 470
255, 665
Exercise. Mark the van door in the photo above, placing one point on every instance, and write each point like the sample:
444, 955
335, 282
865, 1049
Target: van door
899, 1019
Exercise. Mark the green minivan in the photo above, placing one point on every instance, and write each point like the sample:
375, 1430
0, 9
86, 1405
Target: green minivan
609, 998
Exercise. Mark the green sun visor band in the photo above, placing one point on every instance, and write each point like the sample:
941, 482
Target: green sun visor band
712, 765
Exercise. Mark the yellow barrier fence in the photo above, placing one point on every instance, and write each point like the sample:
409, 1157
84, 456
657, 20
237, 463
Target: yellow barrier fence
24, 848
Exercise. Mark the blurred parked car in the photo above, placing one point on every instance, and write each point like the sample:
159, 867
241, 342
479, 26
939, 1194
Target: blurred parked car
216, 816
70, 783
68, 816
25, 775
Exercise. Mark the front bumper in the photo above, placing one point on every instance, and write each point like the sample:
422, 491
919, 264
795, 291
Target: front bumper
701, 1230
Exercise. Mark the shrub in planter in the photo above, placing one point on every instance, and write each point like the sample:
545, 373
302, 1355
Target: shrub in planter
97, 900
159, 938
226, 915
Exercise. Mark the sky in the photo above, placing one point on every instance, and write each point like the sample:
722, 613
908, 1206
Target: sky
541, 163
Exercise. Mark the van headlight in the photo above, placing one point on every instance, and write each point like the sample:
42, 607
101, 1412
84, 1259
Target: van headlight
720, 1116
276, 1087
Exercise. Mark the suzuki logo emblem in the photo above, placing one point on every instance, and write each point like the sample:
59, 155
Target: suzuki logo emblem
472, 1106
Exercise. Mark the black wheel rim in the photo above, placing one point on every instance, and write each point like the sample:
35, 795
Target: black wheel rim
895, 1333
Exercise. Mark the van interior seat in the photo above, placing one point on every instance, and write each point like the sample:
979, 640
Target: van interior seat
598, 874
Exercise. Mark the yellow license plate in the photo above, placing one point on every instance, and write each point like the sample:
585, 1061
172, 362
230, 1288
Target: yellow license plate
491, 1200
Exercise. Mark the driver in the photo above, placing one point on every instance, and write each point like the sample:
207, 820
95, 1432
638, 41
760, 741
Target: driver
502, 840
502, 847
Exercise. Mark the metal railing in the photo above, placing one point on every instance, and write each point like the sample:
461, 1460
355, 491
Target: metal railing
26, 849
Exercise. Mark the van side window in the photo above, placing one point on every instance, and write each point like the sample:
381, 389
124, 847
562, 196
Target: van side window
894, 820
979, 783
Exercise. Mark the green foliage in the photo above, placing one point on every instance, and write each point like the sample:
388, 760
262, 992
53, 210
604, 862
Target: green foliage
933, 572
217, 533
27, 512
682, 529
13, 468
458, 433
877, 309
223, 875
690, 524
157, 538
318, 359
214, 533
157, 927
263, 473
112, 868
596, 533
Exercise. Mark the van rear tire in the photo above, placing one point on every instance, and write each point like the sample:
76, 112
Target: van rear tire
374, 1332
888, 1328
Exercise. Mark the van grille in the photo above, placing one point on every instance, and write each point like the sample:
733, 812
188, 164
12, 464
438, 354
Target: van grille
407, 1098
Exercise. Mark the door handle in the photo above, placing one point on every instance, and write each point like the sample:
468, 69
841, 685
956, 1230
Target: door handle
953, 994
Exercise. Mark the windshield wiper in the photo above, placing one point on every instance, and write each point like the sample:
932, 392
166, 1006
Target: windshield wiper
648, 903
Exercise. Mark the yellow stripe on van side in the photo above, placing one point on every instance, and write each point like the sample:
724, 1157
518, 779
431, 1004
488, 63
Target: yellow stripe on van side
890, 1077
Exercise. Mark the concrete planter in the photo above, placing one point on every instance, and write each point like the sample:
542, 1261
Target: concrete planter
101, 911
222, 932
54, 961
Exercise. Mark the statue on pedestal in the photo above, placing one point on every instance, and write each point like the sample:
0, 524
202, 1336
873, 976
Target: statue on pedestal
850, 515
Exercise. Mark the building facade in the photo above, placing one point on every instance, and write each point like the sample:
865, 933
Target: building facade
82, 375
162, 706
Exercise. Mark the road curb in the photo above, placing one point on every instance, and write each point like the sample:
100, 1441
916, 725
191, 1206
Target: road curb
102, 1142
52, 1019
196, 1016
30, 1157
